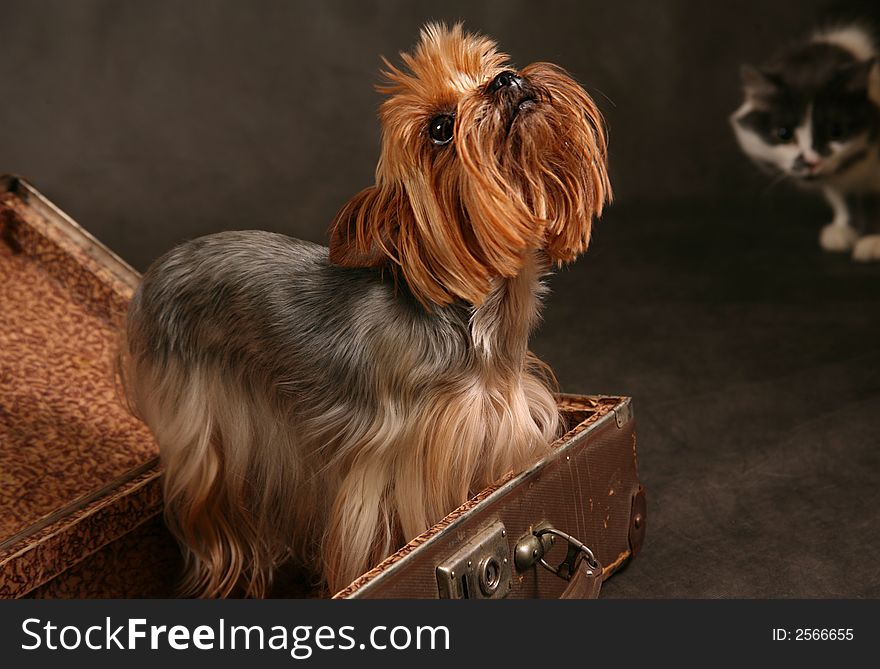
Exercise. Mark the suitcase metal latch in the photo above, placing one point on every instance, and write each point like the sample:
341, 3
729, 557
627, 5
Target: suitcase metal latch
480, 570
531, 549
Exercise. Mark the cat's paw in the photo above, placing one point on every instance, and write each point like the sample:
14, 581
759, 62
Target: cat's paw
867, 249
836, 237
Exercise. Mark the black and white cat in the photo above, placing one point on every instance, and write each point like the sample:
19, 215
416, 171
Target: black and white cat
812, 114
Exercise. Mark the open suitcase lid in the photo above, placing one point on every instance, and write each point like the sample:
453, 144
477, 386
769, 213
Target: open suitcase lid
70, 453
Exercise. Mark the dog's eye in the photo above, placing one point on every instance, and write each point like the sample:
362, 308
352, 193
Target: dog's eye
440, 128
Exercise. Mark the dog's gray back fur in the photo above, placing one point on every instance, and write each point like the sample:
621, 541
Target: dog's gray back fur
277, 305
302, 408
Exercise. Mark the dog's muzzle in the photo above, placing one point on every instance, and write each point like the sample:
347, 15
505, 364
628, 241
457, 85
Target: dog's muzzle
513, 91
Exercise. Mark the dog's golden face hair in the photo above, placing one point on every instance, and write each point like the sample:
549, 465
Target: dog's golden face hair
480, 165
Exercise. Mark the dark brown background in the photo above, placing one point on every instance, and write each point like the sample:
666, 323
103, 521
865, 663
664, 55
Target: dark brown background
753, 358
155, 121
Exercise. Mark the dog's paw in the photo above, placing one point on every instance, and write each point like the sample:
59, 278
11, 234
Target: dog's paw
867, 249
836, 237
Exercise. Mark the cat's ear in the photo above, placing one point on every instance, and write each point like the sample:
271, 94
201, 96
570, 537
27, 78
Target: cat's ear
854, 78
755, 82
862, 77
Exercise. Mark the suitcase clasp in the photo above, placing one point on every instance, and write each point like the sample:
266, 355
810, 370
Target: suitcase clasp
532, 548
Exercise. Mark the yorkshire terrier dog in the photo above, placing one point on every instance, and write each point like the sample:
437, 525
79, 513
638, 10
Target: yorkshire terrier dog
322, 407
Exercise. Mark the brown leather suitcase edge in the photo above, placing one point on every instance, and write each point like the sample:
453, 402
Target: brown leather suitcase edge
588, 488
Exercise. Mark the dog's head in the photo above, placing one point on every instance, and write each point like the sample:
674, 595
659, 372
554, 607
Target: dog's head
480, 164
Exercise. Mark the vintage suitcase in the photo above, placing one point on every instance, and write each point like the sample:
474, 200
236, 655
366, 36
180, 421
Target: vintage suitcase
80, 479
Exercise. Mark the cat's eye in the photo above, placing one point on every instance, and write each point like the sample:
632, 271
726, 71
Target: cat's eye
440, 128
784, 133
835, 131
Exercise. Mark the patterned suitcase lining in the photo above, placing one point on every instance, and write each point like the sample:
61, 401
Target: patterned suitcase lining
67, 459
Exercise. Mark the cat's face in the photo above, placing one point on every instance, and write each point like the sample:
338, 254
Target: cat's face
808, 123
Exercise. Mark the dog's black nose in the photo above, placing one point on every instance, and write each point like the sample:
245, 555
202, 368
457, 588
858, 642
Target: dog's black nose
506, 79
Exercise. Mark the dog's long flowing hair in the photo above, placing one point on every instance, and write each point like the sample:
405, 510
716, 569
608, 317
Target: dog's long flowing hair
324, 413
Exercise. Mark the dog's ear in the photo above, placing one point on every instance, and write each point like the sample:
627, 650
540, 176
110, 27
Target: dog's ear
582, 170
379, 227
363, 232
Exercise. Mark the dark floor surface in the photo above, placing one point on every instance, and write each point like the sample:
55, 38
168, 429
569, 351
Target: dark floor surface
754, 362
